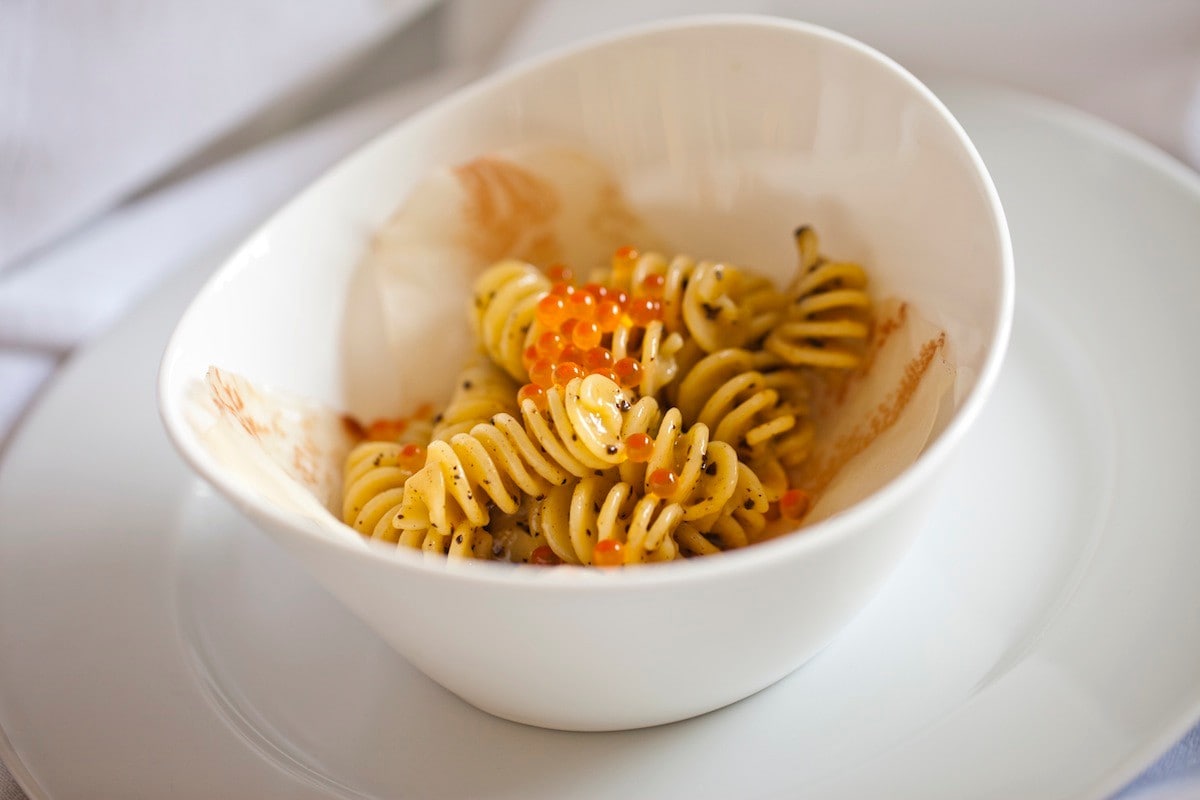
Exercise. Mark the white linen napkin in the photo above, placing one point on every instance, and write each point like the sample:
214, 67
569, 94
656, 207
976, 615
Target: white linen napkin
8, 787
99, 98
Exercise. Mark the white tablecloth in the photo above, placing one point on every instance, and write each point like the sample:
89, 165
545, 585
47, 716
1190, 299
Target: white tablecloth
133, 137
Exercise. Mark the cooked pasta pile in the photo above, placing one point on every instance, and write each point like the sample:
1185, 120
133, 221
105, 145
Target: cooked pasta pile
659, 411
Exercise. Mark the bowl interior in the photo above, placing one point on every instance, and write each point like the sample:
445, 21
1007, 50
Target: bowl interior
725, 135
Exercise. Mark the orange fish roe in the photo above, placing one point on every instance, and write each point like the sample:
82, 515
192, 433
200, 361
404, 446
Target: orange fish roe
552, 311
573, 354
530, 357
794, 503
542, 373
608, 314
586, 335
550, 344
623, 262
560, 273
644, 310
653, 284
582, 305
662, 482
412, 456
598, 357
575, 322
639, 446
531, 391
544, 556
629, 372
386, 430
566, 371
608, 553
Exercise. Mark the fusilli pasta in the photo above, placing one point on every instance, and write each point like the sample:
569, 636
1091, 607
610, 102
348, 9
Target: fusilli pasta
482, 392
659, 412
499, 462
505, 310
826, 322
373, 486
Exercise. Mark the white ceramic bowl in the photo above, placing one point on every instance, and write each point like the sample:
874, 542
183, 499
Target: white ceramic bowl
871, 158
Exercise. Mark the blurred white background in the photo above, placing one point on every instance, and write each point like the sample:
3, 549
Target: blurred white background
135, 136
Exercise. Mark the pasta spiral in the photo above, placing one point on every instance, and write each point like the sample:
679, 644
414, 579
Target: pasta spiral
750, 401
705, 471
655, 351
375, 470
572, 519
825, 324
505, 312
714, 497
745, 516
499, 462
715, 304
482, 392
373, 486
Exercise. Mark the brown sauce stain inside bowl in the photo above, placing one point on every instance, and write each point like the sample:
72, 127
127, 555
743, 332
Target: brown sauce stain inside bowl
508, 210
228, 398
822, 470
306, 441
305, 462
353, 429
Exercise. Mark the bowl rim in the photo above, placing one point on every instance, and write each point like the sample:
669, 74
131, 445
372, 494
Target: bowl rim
762, 556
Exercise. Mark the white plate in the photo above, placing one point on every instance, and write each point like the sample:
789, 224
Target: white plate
1041, 640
